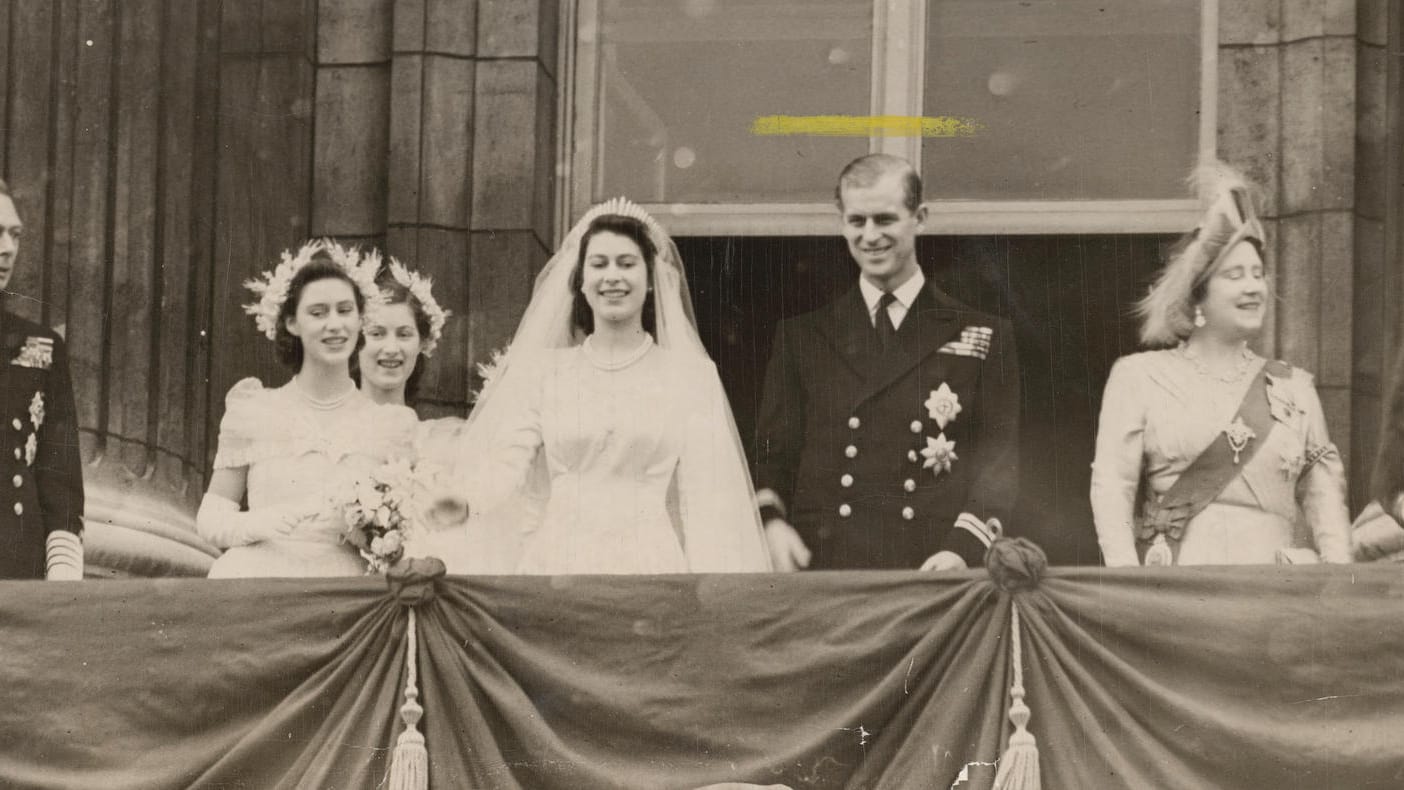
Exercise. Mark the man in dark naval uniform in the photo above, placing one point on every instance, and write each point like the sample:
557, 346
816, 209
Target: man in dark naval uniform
41, 511
888, 431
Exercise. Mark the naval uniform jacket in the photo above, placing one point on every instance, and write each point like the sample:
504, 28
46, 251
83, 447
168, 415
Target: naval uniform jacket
848, 448
41, 480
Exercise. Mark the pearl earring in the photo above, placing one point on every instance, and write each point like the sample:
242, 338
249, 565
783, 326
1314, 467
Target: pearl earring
1199, 319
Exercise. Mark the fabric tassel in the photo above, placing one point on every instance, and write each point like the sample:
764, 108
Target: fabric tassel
1159, 553
409, 765
1018, 768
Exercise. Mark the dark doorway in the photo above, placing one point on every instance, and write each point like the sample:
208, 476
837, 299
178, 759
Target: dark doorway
1068, 296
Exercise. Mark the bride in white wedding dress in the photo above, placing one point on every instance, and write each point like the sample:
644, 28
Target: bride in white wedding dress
606, 437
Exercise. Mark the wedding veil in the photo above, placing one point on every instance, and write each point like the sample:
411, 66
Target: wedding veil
713, 498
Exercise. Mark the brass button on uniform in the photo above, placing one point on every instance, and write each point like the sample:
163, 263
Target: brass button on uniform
18, 453
19, 509
916, 426
18, 481
850, 451
845, 511
18, 425
854, 422
846, 481
909, 485
912, 456
908, 513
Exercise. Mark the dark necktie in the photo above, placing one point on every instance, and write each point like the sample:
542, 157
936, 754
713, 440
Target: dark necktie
882, 322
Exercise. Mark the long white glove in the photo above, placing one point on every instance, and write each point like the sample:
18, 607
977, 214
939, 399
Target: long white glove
63, 557
221, 522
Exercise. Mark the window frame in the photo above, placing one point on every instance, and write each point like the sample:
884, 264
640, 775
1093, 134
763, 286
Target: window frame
898, 73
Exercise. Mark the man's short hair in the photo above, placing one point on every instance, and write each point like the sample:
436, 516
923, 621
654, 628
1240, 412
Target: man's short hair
868, 170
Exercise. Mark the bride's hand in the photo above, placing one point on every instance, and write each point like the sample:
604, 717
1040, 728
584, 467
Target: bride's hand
446, 510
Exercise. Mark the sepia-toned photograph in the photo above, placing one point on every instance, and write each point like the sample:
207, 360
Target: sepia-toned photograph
702, 394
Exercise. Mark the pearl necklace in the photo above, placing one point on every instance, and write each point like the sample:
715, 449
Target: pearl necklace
620, 363
1240, 369
328, 404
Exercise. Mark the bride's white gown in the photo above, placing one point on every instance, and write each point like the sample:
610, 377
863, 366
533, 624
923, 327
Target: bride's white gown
297, 452
631, 455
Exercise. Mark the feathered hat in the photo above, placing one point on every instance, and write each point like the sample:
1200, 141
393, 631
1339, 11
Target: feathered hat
1167, 312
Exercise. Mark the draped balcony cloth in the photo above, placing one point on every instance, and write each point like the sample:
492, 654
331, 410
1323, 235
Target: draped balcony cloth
1281, 677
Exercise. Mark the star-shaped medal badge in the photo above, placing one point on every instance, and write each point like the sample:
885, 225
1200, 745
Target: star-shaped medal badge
939, 454
36, 410
943, 405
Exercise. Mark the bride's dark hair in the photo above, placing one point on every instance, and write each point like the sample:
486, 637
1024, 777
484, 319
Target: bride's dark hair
582, 317
287, 346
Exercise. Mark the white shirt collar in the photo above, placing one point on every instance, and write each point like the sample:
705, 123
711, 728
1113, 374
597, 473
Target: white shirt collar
906, 293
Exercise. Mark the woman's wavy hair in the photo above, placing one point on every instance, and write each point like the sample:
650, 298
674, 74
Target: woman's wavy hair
393, 292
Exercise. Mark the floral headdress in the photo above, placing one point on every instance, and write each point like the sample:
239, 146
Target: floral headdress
1167, 312
422, 289
272, 286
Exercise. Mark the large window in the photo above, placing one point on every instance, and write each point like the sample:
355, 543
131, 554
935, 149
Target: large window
1086, 114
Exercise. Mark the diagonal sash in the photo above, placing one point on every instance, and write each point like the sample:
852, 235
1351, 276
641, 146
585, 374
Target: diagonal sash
1208, 475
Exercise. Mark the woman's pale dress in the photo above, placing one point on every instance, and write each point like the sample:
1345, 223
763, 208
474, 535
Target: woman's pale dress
634, 458
1162, 409
299, 454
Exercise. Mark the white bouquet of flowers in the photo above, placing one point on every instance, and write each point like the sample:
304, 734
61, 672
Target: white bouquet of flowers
378, 515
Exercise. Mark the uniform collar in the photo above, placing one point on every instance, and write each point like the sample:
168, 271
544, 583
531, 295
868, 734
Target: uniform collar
906, 293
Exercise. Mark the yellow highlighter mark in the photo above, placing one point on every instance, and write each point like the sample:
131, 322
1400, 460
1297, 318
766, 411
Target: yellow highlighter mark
865, 126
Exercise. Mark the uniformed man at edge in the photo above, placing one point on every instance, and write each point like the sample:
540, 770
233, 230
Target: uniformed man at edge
41, 508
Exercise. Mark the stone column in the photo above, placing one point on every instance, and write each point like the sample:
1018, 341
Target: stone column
514, 163
1379, 223
430, 170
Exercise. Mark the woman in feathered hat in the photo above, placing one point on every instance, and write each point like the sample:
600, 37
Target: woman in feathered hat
1206, 452
289, 449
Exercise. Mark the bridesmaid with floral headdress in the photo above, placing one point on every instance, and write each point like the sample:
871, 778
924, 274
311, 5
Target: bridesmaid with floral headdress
403, 329
290, 450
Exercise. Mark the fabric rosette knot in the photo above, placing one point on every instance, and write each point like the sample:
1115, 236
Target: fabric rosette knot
377, 515
412, 582
1015, 564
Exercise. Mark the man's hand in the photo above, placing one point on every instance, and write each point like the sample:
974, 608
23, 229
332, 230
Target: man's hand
944, 561
1375, 534
787, 549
